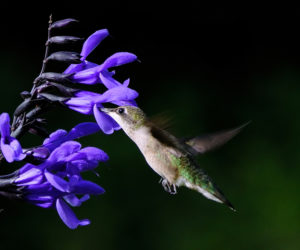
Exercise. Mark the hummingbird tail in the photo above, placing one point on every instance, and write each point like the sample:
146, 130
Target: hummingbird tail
210, 191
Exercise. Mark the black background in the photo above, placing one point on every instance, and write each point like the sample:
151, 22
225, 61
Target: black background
210, 67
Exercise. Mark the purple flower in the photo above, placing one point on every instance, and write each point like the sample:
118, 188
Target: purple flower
89, 73
89, 45
10, 146
57, 181
87, 102
60, 136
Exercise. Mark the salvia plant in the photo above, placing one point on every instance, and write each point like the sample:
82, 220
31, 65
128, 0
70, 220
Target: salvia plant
51, 175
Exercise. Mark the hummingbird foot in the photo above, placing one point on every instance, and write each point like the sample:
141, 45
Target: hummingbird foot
168, 187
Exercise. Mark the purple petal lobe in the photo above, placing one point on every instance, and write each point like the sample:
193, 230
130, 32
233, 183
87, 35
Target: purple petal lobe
105, 122
4, 125
74, 201
55, 136
93, 153
120, 93
81, 105
7, 152
92, 42
68, 216
57, 182
18, 152
86, 187
87, 95
60, 153
31, 177
45, 201
118, 59
126, 82
87, 76
107, 80
41, 152
74, 68
83, 129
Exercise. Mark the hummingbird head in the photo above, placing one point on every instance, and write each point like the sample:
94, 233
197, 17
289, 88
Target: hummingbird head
129, 118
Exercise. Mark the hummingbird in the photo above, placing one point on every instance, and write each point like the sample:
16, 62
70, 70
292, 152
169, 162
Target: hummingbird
173, 159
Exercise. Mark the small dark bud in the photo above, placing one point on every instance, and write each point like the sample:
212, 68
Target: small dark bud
63, 23
23, 107
54, 98
54, 77
63, 39
34, 112
25, 94
65, 56
67, 91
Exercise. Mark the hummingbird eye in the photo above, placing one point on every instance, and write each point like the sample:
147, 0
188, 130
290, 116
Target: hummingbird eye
120, 110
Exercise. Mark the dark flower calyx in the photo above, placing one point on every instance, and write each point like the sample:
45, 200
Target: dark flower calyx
54, 77
25, 94
65, 56
25, 106
63, 39
67, 91
53, 97
62, 23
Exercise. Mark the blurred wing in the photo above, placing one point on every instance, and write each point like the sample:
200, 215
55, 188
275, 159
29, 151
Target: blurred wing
162, 120
208, 142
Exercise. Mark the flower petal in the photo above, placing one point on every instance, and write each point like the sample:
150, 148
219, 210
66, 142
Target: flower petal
74, 201
93, 41
68, 216
57, 182
64, 150
126, 82
7, 151
55, 136
118, 59
74, 68
40, 153
31, 177
81, 105
87, 76
94, 154
4, 125
18, 152
45, 201
83, 129
120, 93
86, 187
105, 122
107, 80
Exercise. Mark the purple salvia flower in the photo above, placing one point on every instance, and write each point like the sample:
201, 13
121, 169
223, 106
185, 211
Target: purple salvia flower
57, 182
91, 75
10, 146
87, 72
60, 136
89, 45
87, 102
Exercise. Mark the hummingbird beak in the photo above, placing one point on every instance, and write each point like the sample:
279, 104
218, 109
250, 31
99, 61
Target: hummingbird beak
106, 110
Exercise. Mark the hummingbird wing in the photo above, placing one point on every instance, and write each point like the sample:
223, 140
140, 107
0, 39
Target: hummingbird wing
204, 143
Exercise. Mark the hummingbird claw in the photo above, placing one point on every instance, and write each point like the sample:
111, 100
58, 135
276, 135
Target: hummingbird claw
167, 187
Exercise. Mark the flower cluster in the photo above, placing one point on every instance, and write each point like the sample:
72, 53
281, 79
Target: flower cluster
58, 179
86, 72
51, 176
